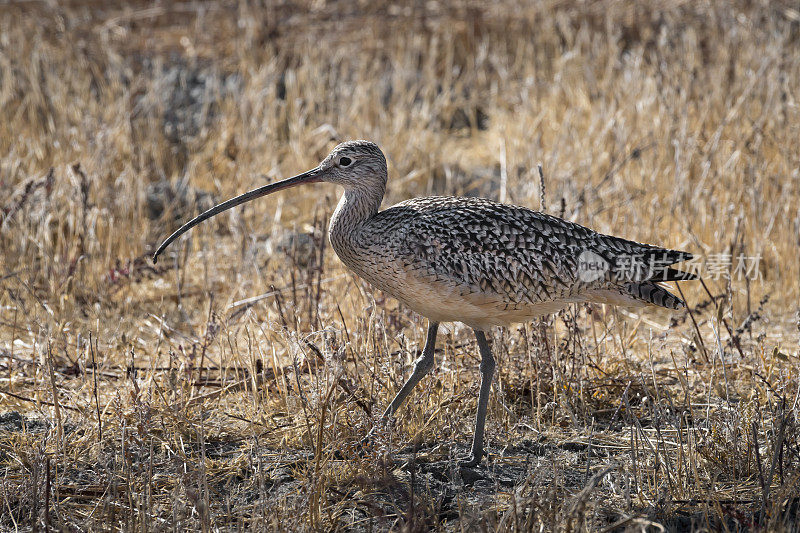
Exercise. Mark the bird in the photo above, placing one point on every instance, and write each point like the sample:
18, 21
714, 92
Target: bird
470, 260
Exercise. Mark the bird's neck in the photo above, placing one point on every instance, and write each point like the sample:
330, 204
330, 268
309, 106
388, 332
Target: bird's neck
355, 208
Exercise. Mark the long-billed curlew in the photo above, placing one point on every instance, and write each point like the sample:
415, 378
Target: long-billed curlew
471, 260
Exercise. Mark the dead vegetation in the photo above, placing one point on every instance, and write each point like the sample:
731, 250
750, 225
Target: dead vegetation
227, 388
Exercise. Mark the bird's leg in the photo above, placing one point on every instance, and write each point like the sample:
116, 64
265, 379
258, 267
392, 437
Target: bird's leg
487, 372
422, 366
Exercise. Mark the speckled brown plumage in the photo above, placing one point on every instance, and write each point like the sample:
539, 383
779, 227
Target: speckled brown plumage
485, 263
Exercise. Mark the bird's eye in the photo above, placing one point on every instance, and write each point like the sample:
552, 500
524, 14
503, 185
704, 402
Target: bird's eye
345, 162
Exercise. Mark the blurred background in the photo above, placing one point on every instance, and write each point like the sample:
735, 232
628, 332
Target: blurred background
670, 123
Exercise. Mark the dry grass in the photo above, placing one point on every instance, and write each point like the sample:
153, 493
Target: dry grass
151, 398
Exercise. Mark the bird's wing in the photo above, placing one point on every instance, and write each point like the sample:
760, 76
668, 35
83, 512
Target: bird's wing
520, 255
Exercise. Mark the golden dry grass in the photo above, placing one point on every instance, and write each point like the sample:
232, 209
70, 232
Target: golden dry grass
160, 398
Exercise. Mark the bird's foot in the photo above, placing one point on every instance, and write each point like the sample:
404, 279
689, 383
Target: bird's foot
473, 461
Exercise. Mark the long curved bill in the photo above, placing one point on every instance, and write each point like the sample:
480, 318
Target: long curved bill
311, 176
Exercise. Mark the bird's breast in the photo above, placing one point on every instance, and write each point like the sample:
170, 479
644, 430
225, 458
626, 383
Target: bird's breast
387, 264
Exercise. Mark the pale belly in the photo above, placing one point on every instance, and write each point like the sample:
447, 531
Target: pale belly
448, 301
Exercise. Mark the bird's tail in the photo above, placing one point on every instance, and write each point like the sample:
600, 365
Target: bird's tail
652, 293
635, 295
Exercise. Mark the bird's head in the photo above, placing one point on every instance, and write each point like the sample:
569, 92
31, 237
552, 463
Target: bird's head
354, 165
